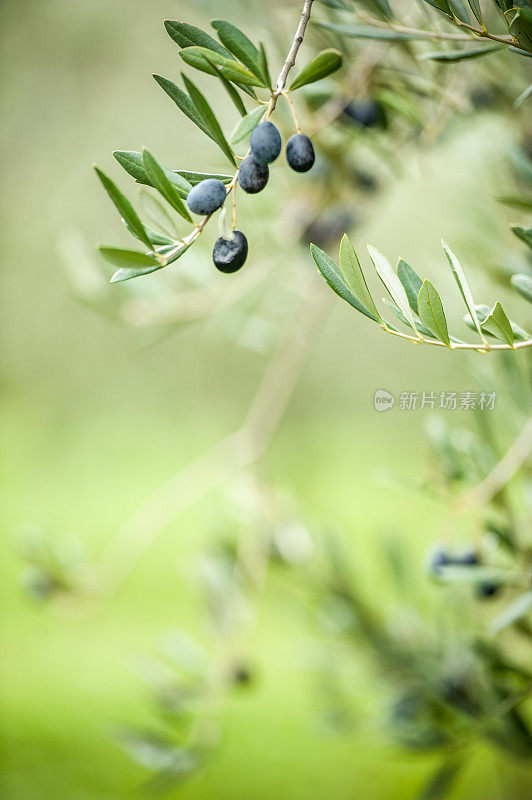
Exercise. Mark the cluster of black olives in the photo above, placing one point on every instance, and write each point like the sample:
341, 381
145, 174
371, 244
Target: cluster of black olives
441, 558
208, 196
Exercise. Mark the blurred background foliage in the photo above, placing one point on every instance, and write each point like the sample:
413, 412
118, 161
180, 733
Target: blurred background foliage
96, 415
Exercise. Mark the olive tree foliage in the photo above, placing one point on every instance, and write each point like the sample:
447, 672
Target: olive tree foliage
386, 77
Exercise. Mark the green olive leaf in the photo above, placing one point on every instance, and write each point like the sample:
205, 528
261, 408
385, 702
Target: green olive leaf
354, 278
333, 277
322, 65
411, 282
246, 124
164, 186
431, 313
124, 207
392, 283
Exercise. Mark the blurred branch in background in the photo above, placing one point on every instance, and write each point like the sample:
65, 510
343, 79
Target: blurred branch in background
233, 453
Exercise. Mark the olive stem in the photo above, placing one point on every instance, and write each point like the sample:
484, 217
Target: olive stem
439, 35
293, 110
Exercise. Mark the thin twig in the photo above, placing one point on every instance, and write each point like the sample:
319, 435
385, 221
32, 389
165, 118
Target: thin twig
479, 348
437, 35
502, 472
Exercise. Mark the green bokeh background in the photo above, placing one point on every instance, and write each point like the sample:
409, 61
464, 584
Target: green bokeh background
94, 418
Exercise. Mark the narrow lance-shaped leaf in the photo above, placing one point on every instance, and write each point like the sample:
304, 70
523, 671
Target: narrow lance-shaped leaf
182, 101
450, 56
189, 35
483, 312
354, 278
233, 94
523, 285
476, 9
430, 310
392, 283
131, 263
498, 324
440, 5
459, 9
157, 214
356, 31
196, 177
411, 282
263, 63
325, 63
156, 238
525, 234
132, 162
124, 207
333, 277
209, 119
207, 61
160, 182
463, 286
246, 124
240, 46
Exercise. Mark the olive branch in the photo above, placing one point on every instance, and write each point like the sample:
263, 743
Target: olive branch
417, 304
242, 68
381, 24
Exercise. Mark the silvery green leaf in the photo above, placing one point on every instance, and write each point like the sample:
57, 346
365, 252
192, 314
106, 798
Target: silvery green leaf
159, 181
392, 284
131, 263
513, 612
431, 313
420, 328
246, 124
498, 324
463, 286
124, 207
322, 65
182, 101
516, 201
196, 177
239, 45
233, 94
333, 277
263, 63
132, 162
451, 56
523, 285
483, 313
440, 5
354, 278
524, 233
208, 118
411, 282
189, 35
356, 31
157, 214
207, 61
156, 238
476, 9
